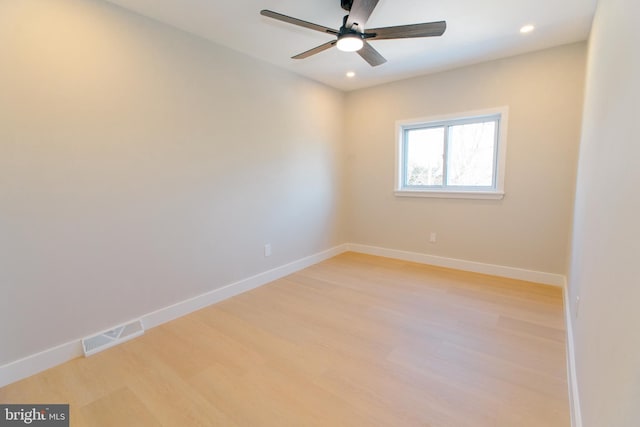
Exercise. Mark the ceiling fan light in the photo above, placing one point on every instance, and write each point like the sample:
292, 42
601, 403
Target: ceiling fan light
350, 43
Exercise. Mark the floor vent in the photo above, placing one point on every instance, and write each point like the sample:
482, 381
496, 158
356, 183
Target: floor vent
115, 336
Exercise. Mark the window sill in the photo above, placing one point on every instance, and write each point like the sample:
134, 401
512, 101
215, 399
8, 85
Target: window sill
480, 195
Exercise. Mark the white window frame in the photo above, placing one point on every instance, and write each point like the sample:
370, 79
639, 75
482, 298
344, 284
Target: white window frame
495, 192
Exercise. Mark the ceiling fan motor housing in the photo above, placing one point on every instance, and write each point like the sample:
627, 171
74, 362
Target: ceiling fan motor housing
348, 32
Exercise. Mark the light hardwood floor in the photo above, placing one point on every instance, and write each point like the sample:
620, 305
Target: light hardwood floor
354, 341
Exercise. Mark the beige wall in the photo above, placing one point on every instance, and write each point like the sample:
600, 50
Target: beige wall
140, 166
529, 228
606, 244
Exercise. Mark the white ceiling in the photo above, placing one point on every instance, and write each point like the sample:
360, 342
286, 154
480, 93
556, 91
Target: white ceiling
476, 31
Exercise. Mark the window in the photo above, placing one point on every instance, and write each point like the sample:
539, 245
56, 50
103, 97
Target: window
459, 156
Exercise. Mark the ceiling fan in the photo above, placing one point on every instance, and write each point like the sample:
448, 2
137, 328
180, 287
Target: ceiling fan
352, 36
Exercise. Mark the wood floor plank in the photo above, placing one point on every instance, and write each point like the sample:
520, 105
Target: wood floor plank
120, 408
356, 340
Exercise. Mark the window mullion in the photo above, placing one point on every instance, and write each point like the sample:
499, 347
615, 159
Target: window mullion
496, 147
405, 148
445, 156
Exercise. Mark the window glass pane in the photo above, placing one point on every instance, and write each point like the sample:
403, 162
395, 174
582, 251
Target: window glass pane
471, 154
424, 151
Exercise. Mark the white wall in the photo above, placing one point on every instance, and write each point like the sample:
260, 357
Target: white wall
528, 229
140, 166
606, 243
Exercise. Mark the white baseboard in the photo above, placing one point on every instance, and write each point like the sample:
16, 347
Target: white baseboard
188, 306
31, 365
49, 358
460, 264
574, 395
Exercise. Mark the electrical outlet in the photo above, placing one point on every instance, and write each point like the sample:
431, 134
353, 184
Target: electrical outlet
433, 237
267, 249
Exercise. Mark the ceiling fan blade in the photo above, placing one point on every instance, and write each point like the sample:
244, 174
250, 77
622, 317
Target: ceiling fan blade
315, 50
359, 14
298, 22
429, 29
372, 56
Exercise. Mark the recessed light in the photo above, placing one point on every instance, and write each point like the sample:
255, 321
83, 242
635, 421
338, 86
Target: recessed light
527, 29
351, 74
